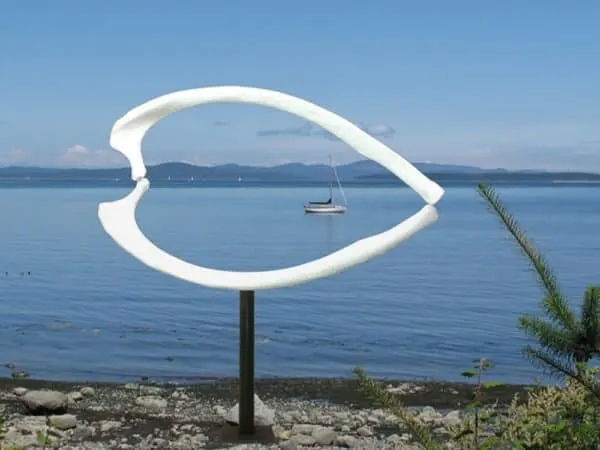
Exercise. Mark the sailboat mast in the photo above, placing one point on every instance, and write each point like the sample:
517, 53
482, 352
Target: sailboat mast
330, 180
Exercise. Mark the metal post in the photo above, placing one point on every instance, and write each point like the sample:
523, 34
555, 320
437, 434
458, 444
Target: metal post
246, 409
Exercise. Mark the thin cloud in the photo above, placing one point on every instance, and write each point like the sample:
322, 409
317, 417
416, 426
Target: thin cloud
308, 129
580, 156
380, 130
81, 156
15, 157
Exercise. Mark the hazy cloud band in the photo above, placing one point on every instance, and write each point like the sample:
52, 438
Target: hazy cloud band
308, 129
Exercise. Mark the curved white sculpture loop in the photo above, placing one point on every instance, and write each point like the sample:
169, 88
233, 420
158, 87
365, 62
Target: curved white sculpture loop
118, 217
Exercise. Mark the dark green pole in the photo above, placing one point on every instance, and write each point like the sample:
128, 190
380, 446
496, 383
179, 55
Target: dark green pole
246, 410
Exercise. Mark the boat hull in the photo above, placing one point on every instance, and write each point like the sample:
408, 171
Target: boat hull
324, 209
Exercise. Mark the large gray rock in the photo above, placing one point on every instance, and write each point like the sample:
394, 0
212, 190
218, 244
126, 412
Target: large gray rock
263, 416
45, 402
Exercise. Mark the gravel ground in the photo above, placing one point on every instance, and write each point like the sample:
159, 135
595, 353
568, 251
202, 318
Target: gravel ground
297, 413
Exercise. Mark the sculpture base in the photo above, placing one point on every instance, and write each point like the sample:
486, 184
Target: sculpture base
230, 433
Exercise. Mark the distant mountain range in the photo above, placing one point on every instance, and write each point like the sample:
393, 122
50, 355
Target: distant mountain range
356, 172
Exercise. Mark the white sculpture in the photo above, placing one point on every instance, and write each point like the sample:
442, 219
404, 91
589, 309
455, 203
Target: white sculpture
118, 217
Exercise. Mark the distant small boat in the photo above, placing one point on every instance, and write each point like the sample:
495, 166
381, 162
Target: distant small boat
239, 179
328, 207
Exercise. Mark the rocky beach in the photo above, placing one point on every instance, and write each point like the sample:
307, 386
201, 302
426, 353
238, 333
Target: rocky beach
290, 414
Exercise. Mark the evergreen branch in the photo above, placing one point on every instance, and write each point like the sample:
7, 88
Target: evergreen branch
555, 366
391, 402
590, 317
554, 303
547, 334
552, 365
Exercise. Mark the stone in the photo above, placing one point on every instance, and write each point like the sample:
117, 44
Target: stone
303, 439
219, 411
324, 436
74, 397
404, 388
326, 420
19, 391
347, 441
360, 420
452, 418
263, 415
151, 403
281, 433
45, 402
365, 431
341, 417
22, 432
63, 421
429, 415
287, 418
88, 391
109, 425
394, 439
372, 420
151, 390
189, 442
304, 428
14, 439
82, 433
288, 445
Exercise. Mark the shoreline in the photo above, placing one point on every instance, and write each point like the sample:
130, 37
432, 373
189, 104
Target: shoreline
339, 391
301, 413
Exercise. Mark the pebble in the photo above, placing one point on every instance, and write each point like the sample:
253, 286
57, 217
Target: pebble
63, 421
151, 403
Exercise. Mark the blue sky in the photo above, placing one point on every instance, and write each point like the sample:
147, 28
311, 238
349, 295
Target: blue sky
497, 84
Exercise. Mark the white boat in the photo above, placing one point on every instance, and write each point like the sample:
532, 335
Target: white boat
328, 207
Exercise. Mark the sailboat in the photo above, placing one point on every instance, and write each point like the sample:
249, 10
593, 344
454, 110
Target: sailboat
328, 207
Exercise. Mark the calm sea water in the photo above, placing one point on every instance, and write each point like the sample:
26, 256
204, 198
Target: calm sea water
453, 293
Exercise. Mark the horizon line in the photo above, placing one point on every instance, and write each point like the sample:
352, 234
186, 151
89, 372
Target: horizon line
188, 163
